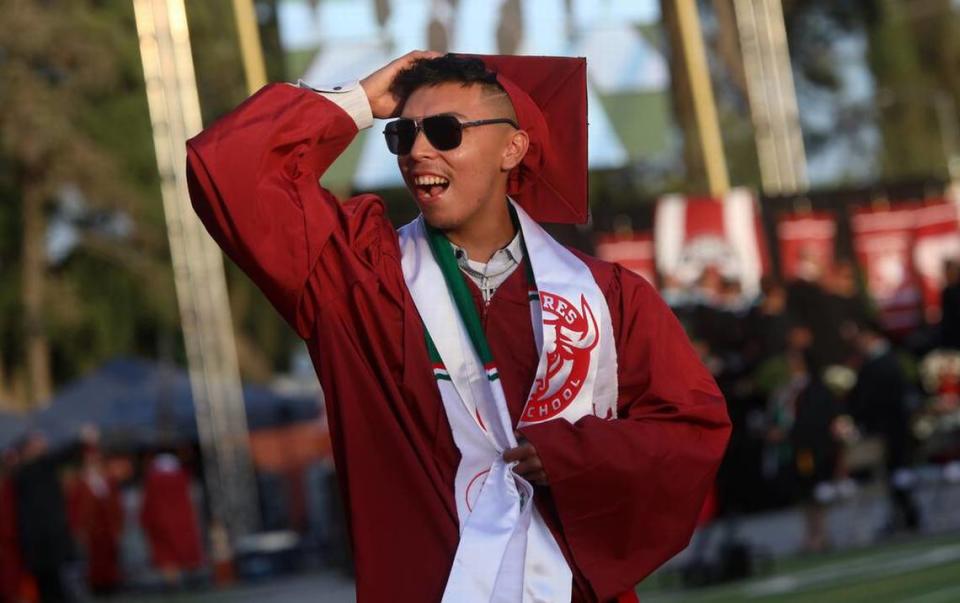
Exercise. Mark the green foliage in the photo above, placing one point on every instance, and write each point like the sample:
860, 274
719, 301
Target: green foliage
913, 57
73, 112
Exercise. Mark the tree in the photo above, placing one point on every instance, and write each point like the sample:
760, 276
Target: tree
74, 125
913, 59
65, 109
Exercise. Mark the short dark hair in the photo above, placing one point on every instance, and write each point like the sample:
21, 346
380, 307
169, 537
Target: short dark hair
450, 68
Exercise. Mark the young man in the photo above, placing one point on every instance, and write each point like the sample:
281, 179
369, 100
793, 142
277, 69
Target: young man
511, 421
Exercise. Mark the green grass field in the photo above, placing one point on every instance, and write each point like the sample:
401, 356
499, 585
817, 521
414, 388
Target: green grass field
923, 570
919, 571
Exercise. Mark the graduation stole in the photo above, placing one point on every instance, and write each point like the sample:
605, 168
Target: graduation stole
506, 552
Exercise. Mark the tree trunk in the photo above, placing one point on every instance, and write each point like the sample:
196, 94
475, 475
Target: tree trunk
33, 276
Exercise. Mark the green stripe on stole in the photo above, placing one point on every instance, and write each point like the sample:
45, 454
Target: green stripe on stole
443, 254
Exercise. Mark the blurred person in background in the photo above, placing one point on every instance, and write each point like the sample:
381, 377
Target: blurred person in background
950, 306
46, 544
805, 290
16, 584
878, 403
767, 323
96, 518
828, 302
843, 308
169, 519
803, 449
605, 484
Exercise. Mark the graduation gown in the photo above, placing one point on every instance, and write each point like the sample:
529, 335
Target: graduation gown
170, 521
624, 494
14, 579
96, 519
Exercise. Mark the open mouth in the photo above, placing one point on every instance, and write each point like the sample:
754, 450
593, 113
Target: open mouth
429, 186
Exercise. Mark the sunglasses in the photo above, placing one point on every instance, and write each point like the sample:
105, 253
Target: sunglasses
445, 132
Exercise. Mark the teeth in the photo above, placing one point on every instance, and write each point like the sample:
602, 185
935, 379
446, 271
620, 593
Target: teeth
429, 180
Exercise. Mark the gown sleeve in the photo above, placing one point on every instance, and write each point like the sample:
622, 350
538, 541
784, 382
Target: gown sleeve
254, 182
628, 491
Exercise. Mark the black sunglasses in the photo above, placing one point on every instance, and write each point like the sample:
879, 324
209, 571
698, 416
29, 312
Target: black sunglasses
444, 131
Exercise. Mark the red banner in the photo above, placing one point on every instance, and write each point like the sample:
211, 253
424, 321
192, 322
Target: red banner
633, 251
936, 239
692, 235
881, 239
806, 243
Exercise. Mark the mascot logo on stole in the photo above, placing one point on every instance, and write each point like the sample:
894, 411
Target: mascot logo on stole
568, 358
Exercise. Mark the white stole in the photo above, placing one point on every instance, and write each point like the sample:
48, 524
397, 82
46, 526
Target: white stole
506, 552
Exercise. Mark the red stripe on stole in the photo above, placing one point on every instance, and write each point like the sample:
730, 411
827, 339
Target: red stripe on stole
477, 412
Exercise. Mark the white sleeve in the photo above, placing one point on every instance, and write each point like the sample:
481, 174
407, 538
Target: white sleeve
350, 97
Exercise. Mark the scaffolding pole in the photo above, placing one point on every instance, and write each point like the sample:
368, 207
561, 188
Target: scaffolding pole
198, 270
773, 98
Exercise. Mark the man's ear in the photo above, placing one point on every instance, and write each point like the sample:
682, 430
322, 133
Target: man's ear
516, 148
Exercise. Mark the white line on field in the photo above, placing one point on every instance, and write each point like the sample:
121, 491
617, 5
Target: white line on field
873, 566
944, 595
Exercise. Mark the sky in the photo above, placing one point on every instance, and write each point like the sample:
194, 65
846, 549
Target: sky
619, 58
351, 45
300, 27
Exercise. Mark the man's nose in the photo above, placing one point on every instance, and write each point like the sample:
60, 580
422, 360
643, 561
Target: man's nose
421, 146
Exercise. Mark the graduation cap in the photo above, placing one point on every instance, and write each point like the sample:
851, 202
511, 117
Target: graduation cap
549, 96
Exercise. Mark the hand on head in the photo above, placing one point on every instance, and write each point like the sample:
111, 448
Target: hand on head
377, 85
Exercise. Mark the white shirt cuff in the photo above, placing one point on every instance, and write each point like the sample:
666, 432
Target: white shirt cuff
350, 97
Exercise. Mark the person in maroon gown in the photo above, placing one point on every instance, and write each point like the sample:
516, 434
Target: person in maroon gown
169, 519
619, 496
96, 518
16, 584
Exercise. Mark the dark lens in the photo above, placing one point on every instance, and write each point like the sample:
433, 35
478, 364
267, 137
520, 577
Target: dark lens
400, 134
443, 131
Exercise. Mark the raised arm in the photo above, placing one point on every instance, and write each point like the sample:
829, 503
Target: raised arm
253, 178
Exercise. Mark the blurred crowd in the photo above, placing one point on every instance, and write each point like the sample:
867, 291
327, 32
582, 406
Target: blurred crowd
68, 528
823, 400
86, 518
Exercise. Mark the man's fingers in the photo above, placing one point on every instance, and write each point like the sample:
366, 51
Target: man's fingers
528, 466
519, 453
377, 85
415, 55
401, 63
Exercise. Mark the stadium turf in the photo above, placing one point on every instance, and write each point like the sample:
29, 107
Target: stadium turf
919, 571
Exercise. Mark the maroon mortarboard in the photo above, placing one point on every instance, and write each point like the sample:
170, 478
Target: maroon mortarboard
549, 95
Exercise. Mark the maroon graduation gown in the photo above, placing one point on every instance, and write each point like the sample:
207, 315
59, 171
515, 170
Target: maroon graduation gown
624, 494
97, 523
169, 520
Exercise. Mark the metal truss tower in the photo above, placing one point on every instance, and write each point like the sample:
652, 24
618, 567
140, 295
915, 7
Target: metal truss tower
198, 270
773, 99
